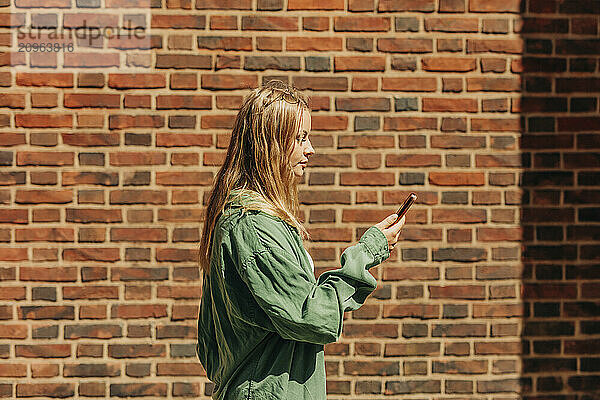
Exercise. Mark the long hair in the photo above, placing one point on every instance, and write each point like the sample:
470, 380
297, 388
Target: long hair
257, 164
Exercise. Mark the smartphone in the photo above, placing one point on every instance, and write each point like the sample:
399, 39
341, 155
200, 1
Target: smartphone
404, 208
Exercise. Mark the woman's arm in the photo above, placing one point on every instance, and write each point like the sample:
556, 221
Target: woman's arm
297, 308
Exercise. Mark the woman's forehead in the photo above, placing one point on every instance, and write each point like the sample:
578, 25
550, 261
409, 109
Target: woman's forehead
305, 119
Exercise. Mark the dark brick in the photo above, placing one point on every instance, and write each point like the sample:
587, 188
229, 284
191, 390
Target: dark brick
409, 24
44, 293
406, 104
355, 44
366, 124
412, 178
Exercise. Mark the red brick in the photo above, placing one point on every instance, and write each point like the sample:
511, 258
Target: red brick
359, 63
80, 100
315, 5
508, 160
90, 292
487, 6
138, 274
44, 370
313, 44
366, 178
179, 292
372, 368
45, 158
493, 64
14, 216
138, 234
12, 100
137, 81
331, 234
138, 196
430, 349
498, 348
184, 80
509, 46
223, 22
60, 80
409, 84
493, 84
91, 254
183, 102
421, 311
452, 24
456, 179
315, 23
48, 274
174, 21
449, 64
182, 312
183, 140
457, 292
180, 369
449, 6
196, 61
396, 45
133, 311
46, 312
496, 124
185, 159
138, 389
10, 292
13, 254
43, 196
228, 81
460, 367
361, 24
184, 178
459, 215
408, 5
44, 120
269, 23
497, 310
408, 123
224, 4
61, 390
12, 139
89, 60
449, 105
45, 235
135, 121
137, 158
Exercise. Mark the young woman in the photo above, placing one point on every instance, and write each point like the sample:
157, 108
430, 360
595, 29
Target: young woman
264, 318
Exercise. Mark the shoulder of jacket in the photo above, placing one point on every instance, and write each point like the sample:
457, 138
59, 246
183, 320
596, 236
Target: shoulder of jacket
268, 230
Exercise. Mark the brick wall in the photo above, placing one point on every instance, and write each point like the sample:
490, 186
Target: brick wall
487, 109
561, 197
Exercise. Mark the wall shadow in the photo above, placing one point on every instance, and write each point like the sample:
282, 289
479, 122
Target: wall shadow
560, 214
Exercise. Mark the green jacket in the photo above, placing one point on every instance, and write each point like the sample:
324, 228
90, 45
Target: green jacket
264, 318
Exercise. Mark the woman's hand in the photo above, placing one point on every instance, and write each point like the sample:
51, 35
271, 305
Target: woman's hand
390, 230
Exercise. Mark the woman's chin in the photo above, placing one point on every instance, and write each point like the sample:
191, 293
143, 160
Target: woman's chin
299, 170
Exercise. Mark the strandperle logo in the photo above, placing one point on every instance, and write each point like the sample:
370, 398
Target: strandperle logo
81, 32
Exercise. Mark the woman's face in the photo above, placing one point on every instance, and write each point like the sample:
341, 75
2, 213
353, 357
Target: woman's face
302, 147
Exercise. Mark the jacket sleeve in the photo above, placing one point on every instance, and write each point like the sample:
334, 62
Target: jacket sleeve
296, 307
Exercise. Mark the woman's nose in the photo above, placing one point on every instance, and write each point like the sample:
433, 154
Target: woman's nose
309, 150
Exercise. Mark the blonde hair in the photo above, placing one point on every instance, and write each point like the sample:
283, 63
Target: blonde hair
257, 165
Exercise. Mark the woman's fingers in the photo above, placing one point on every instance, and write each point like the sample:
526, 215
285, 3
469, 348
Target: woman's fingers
388, 221
390, 229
